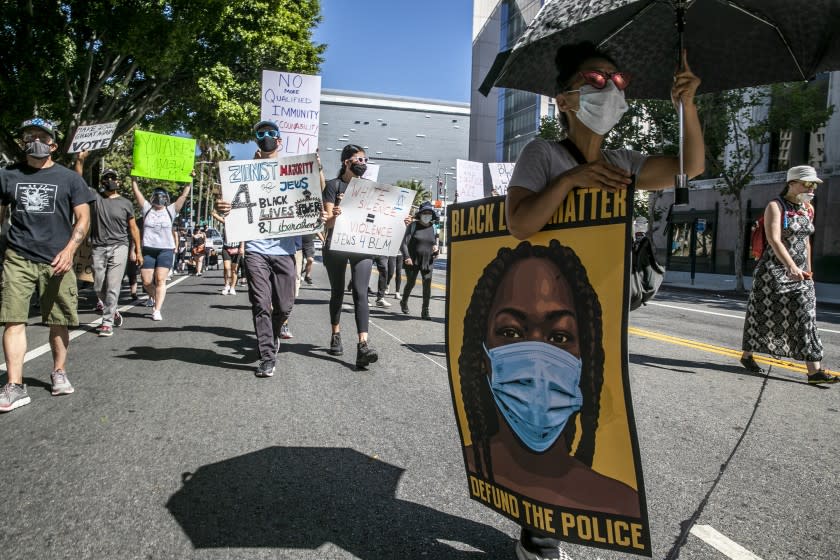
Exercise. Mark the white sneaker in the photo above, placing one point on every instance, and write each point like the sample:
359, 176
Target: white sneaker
232, 291
156, 316
226, 290
382, 303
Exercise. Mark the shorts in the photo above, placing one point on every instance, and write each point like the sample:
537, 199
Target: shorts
158, 258
58, 295
234, 259
308, 246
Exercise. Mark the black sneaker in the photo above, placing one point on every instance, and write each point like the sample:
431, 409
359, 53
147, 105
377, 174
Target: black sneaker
751, 365
404, 307
308, 280
424, 314
265, 369
365, 355
820, 376
336, 348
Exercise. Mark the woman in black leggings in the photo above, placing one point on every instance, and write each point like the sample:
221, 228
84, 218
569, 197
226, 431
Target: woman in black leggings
353, 164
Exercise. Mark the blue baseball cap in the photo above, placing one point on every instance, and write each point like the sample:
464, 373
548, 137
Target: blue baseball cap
38, 122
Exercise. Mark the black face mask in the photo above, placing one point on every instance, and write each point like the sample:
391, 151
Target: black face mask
358, 169
267, 144
109, 185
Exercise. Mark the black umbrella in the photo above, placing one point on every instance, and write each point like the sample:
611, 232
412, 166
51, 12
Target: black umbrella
733, 44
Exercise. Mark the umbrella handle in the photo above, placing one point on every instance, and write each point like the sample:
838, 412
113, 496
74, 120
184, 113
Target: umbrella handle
681, 181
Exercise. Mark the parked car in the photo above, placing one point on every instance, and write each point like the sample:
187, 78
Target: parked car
215, 239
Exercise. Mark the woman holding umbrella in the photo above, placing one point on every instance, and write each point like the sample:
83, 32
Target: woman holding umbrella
590, 99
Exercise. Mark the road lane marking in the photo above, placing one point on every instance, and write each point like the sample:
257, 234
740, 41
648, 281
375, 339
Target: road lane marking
406, 344
82, 329
720, 350
717, 314
722, 543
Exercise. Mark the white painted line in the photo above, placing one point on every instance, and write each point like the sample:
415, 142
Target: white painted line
722, 543
441, 366
76, 333
704, 312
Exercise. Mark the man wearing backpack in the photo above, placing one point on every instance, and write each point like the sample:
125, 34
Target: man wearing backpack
158, 241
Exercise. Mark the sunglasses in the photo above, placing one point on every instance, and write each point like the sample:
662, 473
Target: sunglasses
811, 185
270, 133
598, 79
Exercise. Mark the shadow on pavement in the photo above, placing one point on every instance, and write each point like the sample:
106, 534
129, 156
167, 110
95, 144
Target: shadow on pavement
690, 366
191, 354
305, 497
319, 353
438, 350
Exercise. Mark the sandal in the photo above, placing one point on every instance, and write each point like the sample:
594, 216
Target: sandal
751, 365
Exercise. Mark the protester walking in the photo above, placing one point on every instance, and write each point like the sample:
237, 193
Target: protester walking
781, 315
420, 247
50, 214
353, 164
113, 229
308, 251
590, 101
158, 241
381, 262
198, 242
270, 269
231, 256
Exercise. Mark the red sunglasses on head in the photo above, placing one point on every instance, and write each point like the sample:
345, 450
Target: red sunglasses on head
598, 79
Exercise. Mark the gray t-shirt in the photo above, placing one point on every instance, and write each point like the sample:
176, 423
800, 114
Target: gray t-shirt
109, 223
541, 161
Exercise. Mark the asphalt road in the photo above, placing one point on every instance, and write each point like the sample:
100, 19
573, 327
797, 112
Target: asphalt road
171, 448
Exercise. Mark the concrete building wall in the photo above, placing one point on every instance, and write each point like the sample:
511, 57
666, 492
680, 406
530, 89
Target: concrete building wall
410, 138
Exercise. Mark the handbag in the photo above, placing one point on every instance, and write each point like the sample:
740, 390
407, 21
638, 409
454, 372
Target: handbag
646, 274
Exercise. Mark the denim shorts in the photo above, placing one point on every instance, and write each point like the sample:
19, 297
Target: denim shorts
158, 258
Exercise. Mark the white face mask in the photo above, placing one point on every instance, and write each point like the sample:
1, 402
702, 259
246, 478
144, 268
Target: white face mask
601, 109
425, 218
805, 197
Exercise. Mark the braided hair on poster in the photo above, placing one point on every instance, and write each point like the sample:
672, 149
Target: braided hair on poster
478, 400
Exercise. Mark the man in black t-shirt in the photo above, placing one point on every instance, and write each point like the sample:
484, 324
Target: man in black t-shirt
44, 199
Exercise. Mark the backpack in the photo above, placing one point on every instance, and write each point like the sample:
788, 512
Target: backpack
646, 275
758, 238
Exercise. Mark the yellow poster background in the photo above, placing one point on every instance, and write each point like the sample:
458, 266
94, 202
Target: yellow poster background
601, 249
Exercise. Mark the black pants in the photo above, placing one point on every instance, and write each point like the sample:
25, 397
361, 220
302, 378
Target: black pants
271, 290
382, 268
395, 269
544, 546
411, 273
360, 266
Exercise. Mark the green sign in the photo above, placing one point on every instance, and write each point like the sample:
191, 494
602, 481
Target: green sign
157, 156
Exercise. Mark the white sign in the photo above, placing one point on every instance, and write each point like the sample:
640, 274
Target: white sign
372, 218
278, 197
500, 175
293, 101
372, 173
470, 177
92, 137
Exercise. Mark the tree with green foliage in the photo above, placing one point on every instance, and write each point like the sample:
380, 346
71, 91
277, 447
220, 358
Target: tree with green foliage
420, 193
163, 65
738, 126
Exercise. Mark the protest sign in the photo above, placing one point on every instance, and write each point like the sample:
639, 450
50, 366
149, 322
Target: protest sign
544, 412
157, 156
372, 218
279, 197
372, 172
83, 261
92, 137
500, 175
293, 101
470, 180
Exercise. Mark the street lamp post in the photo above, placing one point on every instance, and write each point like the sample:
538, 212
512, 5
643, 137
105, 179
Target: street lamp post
193, 213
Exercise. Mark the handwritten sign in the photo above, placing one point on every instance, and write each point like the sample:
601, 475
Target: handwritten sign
372, 172
371, 219
293, 101
83, 261
92, 137
157, 156
470, 177
271, 197
500, 175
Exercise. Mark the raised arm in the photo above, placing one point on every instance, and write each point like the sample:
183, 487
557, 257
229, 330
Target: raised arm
179, 203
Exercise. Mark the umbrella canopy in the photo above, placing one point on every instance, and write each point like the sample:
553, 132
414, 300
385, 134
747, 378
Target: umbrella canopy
731, 43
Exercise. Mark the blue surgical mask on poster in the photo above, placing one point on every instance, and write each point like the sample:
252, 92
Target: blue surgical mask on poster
537, 389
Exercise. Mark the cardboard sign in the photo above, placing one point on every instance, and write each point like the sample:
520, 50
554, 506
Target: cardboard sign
372, 172
372, 218
470, 178
92, 137
83, 261
531, 403
293, 101
500, 175
271, 197
157, 156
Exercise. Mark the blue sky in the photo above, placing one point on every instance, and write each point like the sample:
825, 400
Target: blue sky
416, 49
